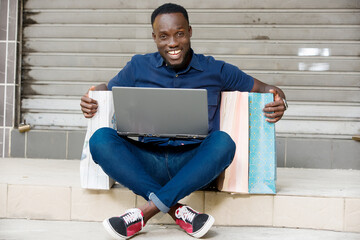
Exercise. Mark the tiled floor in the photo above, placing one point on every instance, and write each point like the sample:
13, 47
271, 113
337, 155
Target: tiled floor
59, 230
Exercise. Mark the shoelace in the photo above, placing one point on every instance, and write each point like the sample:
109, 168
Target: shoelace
131, 217
185, 214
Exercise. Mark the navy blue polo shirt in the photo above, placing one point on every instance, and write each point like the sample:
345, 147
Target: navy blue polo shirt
203, 72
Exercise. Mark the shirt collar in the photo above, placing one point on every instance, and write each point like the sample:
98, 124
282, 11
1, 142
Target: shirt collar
160, 60
194, 63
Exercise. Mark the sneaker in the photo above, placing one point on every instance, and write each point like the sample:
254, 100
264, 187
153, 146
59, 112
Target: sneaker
194, 223
125, 226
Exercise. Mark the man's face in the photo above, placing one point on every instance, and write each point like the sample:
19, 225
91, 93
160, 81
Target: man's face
172, 33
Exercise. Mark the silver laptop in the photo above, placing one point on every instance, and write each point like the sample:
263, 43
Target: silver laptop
161, 112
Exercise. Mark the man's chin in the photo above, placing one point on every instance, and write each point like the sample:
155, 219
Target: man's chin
176, 66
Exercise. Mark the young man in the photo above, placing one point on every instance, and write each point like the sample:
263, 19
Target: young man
164, 170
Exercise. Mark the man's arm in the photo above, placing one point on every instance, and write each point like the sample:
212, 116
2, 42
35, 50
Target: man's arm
277, 106
88, 105
123, 78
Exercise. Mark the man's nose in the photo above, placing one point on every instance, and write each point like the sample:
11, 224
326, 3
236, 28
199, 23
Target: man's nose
173, 42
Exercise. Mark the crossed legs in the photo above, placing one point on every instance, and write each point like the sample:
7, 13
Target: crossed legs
162, 175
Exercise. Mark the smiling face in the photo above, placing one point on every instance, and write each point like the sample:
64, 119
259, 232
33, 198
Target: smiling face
172, 33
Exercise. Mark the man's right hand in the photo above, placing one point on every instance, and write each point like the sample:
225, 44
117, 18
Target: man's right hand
88, 105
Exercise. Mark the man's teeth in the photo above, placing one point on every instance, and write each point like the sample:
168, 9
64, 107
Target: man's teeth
175, 52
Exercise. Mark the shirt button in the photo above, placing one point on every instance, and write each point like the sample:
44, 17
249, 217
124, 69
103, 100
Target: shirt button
176, 75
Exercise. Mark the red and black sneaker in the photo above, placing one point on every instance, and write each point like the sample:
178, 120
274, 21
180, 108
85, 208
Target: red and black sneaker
125, 226
194, 223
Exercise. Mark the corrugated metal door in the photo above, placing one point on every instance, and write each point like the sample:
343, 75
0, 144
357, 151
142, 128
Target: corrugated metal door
309, 48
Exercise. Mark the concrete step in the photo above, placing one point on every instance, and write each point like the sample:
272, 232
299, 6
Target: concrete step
207, 4
307, 198
60, 230
198, 16
215, 31
231, 47
258, 62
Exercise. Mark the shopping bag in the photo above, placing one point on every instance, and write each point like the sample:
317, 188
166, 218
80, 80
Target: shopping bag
253, 169
92, 176
234, 120
262, 147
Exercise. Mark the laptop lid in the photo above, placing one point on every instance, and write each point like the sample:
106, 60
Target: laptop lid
161, 112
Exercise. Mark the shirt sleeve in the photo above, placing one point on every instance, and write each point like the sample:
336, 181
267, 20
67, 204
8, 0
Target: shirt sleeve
125, 78
234, 79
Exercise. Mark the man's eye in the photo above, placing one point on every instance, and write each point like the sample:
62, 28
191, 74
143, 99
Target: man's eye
180, 34
162, 37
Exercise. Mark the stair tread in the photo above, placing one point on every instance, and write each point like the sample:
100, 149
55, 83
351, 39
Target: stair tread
290, 181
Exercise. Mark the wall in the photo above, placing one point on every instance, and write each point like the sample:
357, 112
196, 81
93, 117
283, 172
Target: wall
8, 56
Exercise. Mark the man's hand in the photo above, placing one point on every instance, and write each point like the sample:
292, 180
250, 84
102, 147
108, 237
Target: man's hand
88, 105
277, 107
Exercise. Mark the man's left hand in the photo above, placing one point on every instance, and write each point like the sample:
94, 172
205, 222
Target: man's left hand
277, 107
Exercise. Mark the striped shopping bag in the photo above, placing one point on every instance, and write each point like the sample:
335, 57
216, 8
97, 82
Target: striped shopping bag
253, 169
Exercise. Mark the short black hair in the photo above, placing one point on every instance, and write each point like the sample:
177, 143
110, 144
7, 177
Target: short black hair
169, 8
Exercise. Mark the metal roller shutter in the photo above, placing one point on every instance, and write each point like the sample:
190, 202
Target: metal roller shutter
309, 48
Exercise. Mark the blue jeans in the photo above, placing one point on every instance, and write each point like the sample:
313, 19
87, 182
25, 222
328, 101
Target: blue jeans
162, 174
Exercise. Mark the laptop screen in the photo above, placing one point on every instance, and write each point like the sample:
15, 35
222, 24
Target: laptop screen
161, 112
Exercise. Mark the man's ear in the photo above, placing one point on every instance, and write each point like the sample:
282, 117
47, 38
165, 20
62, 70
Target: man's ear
190, 30
153, 36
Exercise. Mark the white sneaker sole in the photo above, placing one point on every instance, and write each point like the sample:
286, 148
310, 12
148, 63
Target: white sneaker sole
112, 232
202, 231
